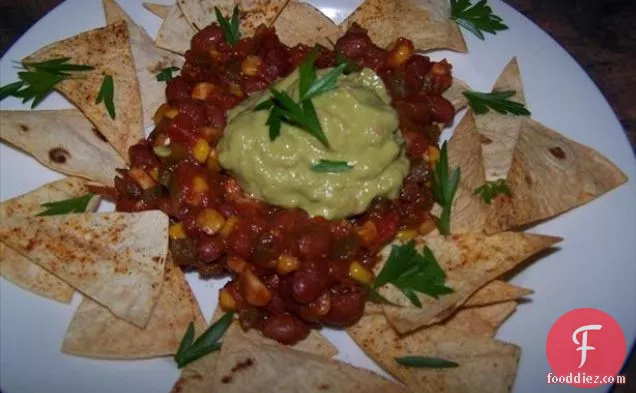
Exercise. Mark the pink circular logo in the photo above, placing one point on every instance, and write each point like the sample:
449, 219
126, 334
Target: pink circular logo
583, 343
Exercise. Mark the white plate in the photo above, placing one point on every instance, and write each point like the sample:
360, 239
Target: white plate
595, 266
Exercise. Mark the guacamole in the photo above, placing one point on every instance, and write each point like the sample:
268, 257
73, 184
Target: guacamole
362, 129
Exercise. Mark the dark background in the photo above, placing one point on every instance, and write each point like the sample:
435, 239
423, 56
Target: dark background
600, 34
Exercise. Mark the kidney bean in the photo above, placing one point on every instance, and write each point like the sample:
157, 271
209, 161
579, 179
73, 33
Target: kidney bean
347, 306
177, 89
285, 329
308, 284
207, 38
210, 248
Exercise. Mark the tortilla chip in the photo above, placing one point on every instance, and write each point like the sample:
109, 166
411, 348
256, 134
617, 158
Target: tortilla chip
246, 365
95, 332
63, 140
485, 365
464, 152
160, 10
149, 60
481, 321
116, 259
496, 292
20, 270
301, 23
498, 132
427, 24
253, 13
107, 49
550, 174
455, 94
175, 32
470, 262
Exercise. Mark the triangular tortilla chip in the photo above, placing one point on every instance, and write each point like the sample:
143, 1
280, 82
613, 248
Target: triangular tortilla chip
301, 23
470, 262
427, 24
20, 270
550, 174
246, 365
108, 50
198, 376
97, 333
253, 13
160, 10
498, 132
481, 321
63, 140
116, 259
455, 94
149, 60
485, 365
175, 32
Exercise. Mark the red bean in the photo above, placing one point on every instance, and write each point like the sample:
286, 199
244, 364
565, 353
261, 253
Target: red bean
141, 155
178, 89
354, 45
209, 248
207, 38
443, 111
242, 240
415, 71
314, 245
285, 329
215, 115
347, 306
195, 111
308, 285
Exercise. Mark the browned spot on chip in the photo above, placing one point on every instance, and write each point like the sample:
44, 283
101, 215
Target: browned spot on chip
99, 134
528, 180
24, 127
484, 139
59, 155
557, 152
324, 386
226, 379
242, 365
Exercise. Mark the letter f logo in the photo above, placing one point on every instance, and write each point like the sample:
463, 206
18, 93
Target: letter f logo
584, 347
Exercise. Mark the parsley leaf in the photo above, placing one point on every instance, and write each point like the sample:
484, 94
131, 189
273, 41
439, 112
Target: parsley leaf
191, 349
497, 101
425, 361
106, 94
329, 166
444, 183
230, 27
66, 206
412, 272
166, 74
491, 189
351, 66
476, 18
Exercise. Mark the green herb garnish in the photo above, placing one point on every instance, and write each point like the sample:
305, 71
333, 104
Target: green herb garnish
444, 183
191, 349
425, 361
39, 79
106, 94
411, 272
491, 189
350, 65
375, 297
166, 74
476, 18
497, 101
329, 166
230, 27
67, 206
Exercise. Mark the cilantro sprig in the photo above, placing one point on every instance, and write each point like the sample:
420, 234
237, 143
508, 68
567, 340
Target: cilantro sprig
230, 26
329, 166
39, 79
476, 18
444, 183
166, 74
491, 189
425, 361
106, 95
208, 342
412, 272
497, 101
67, 206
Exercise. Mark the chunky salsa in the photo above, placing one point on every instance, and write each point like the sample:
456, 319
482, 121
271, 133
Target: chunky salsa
289, 271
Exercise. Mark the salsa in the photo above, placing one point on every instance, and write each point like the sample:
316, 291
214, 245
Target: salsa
289, 271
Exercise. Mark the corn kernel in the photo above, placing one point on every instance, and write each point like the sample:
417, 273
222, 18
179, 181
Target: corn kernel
406, 235
201, 150
229, 226
360, 273
250, 65
171, 113
142, 178
160, 113
400, 53
432, 154
236, 90
154, 173
213, 161
210, 221
287, 264
176, 231
235, 264
215, 55
210, 134
367, 232
203, 90
253, 290
227, 301
199, 184
427, 227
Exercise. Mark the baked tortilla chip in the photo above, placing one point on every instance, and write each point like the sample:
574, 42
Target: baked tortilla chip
20, 270
301, 23
485, 365
63, 140
470, 261
149, 60
97, 333
175, 32
160, 10
108, 50
498, 132
116, 259
481, 321
253, 13
246, 365
455, 94
427, 24
550, 174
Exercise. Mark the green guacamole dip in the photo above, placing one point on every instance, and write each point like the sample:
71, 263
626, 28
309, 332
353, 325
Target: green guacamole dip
362, 129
